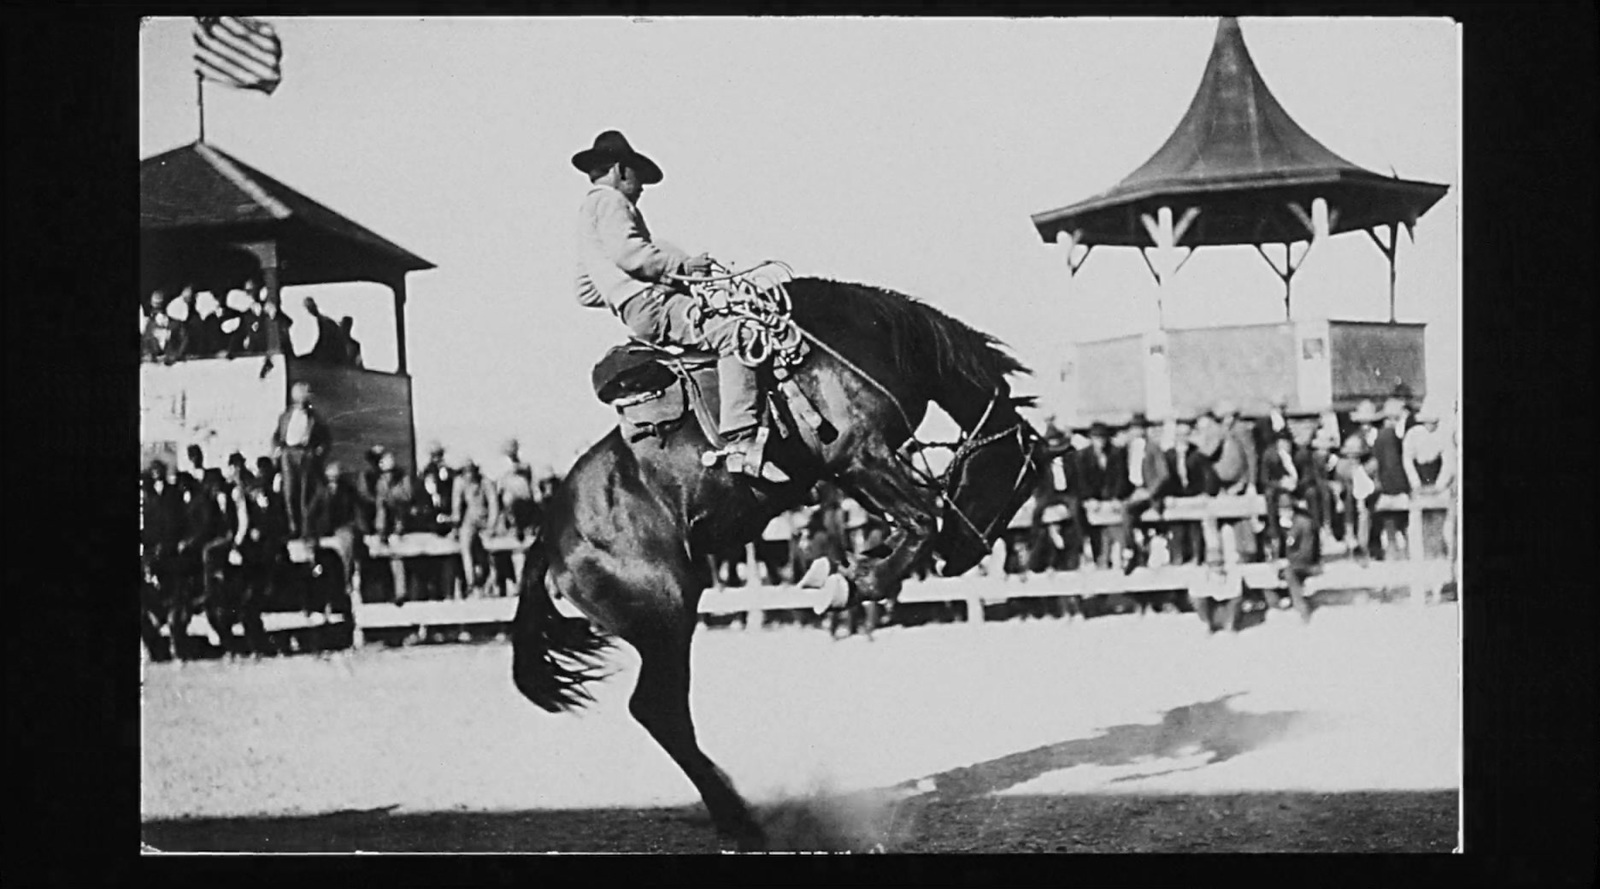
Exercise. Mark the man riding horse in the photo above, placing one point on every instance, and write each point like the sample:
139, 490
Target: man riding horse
620, 267
625, 536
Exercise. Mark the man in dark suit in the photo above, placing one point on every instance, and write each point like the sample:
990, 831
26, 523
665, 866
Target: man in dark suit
1280, 480
1145, 483
334, 510
205, 531
1096, 479
1060, 547
162, 509
301, 441
438, 482
1389, 453
1304, 551
1189, 474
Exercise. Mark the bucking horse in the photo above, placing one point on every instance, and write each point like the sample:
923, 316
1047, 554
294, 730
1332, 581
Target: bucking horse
624, 537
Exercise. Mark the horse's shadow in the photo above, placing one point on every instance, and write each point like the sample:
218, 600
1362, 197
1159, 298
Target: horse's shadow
1211, 731
1210, 727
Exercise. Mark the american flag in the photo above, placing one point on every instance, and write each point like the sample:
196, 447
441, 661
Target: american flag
238, 51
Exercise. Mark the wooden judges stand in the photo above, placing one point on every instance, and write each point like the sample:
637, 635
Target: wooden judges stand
414, 556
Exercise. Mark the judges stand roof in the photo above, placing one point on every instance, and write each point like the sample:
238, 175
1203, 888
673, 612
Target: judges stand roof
1239, 171
1241, 161
196, 202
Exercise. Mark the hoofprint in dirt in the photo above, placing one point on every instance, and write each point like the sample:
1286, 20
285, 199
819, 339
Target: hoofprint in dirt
1283, 737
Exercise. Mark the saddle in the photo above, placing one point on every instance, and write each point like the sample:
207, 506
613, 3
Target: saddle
655, 387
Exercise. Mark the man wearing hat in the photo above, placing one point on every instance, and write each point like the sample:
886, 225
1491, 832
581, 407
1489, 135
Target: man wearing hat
621, 268
473, 512
517, 507
1388, 452
437, 479
1146, 468
1303, 553
1424, 451
1096, 479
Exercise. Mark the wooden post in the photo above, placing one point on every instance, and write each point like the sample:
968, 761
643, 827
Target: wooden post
358, 638
975, 609
1416, 551
754, 617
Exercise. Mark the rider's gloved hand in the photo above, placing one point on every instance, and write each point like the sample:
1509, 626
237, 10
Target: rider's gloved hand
697, 265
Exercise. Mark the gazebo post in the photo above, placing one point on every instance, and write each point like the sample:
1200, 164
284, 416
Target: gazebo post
1390, 252
1165, 233
398, 285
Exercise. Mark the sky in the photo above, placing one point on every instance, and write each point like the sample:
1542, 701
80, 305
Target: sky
902, 153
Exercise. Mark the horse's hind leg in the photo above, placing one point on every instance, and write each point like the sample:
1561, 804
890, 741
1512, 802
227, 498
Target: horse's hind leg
661, 704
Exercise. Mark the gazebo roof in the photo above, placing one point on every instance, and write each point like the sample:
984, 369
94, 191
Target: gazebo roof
197, 199
1241, 160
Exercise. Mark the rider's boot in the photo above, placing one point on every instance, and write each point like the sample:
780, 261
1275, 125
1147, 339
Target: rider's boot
736, 390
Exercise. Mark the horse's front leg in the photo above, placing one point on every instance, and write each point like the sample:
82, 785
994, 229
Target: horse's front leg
913, 511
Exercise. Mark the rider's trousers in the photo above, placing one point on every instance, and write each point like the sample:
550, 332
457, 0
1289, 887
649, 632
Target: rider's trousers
662, 316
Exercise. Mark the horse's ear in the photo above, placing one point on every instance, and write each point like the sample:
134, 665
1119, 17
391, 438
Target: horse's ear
1024, 401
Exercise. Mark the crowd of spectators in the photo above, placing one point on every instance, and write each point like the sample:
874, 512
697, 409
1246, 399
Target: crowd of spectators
1298, 464
216, 533
245, 321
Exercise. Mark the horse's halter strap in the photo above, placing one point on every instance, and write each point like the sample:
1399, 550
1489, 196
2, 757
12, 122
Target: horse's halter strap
970, 443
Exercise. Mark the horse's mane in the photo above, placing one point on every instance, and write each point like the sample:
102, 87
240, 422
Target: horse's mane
922, 340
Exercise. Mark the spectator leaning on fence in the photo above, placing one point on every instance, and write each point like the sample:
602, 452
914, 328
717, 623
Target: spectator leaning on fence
334, 510
397, 499
514, 484
1303, 555
1189, 474
1235, 466
1426, 454
1147, 479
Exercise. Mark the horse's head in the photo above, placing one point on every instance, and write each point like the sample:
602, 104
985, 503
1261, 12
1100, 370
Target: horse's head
988, 480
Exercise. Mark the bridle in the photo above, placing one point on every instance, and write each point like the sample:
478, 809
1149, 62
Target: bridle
971, 442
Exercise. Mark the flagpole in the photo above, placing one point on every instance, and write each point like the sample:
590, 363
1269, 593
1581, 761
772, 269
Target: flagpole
200, 101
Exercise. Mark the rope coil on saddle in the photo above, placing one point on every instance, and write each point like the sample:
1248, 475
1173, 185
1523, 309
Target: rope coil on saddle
759, 305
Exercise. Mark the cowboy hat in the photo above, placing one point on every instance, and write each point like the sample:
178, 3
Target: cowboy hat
1365, 412
612, 146
1100, 429
1141, 421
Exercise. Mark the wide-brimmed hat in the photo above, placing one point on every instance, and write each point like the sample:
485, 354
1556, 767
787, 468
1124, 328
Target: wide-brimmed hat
1365, 412
1140, 421
612, 146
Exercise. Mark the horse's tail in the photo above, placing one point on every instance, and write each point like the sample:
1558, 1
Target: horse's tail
553, 656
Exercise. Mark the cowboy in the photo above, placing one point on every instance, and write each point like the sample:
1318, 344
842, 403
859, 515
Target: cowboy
622, 268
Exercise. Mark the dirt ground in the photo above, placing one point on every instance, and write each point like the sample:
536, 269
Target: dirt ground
1120, 734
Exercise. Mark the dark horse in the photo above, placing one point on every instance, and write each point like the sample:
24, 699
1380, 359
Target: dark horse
626, 534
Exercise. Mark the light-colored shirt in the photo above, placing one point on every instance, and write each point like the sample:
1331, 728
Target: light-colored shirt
1422, 445
617, 259
1136, 462
298, 429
